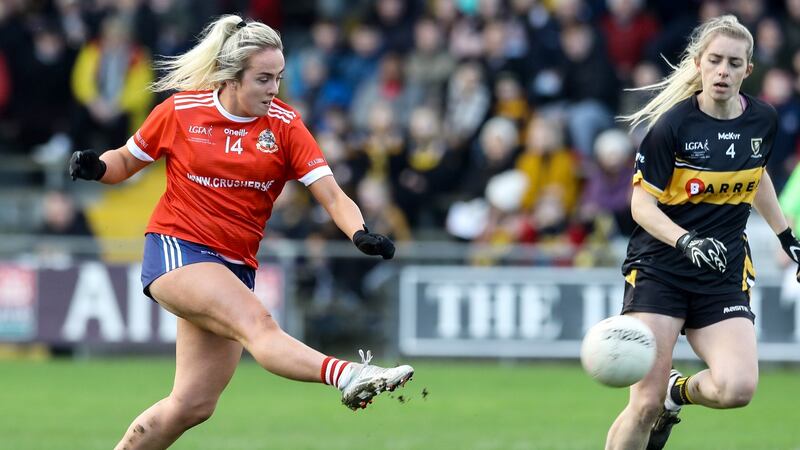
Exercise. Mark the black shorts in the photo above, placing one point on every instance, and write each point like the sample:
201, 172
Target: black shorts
647, 294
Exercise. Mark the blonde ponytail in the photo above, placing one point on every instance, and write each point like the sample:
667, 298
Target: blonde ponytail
685, 79
221, 54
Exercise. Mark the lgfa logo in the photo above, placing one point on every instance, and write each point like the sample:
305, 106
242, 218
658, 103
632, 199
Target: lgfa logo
695, 186
197, 129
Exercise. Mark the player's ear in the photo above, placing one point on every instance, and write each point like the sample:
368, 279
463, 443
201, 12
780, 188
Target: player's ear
749, 70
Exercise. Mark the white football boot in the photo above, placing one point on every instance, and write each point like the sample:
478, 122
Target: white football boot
367, 381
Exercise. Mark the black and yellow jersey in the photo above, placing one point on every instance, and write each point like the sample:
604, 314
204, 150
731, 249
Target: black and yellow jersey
704, 173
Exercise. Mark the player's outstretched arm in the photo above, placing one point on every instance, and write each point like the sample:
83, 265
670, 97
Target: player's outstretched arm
766, 203
111, 167
345, 213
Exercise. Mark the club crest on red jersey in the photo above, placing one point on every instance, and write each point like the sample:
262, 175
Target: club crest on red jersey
266, 142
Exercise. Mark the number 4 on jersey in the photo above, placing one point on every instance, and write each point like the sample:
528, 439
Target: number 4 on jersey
235, 148
730, 151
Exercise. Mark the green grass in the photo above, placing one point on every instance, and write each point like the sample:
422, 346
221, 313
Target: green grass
63, 404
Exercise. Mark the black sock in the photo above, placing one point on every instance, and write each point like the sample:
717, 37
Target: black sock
680, 391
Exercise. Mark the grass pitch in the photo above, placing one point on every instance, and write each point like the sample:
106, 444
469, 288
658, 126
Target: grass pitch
65, 404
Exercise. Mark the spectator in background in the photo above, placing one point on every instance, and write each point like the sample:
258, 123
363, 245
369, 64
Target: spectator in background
428, 65
510, 100
494, 152
468, 101
631, 100
465, 38
749, 12
627, 31
768, 53
318, 90
589, 86
426, 172
7, 121
325, 48
394, 19
496, 56
15, 46
109, 81
73, 22
375, 197
178, 21
607, 192
360, 63
790, 23
549, 165
390, 86
140, 19
381, 144
62, 218
47, 89
339, 160
778, 90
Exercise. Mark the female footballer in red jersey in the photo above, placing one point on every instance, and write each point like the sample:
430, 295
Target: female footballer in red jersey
230, 145
699, 171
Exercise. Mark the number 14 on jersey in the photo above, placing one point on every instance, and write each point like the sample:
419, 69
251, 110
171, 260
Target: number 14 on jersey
235, 148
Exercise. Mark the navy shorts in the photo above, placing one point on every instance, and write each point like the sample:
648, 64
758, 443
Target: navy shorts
163, 253
647, 294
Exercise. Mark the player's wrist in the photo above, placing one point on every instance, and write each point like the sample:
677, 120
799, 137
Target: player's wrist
790, 244
786, 236
102, 167
684, 240
359, 233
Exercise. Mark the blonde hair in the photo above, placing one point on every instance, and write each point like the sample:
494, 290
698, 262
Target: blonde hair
685, 79
223, 49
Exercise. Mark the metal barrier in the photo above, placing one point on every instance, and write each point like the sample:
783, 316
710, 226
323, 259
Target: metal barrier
429, 301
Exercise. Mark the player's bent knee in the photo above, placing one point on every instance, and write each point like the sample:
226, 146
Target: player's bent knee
647, 409
191, 413
260, 327
736, 394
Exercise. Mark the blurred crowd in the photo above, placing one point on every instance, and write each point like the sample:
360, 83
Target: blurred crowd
484, 121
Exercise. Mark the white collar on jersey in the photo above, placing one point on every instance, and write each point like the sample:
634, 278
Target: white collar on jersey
228, 115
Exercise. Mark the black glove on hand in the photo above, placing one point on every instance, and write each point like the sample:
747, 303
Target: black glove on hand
86, 164
791, 246
706, 253
373, 243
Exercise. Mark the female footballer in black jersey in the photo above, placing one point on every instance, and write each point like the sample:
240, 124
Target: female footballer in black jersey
699, 171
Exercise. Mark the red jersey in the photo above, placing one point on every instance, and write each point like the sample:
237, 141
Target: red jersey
224, 171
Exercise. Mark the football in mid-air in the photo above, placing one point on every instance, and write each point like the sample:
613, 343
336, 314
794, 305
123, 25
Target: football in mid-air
618, 351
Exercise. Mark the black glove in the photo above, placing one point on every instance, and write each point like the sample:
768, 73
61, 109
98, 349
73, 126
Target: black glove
86, 164
706, 253
373, 243
791, 246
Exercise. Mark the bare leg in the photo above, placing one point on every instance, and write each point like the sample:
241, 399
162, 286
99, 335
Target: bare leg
204, 364
631, 429
210, 296
729, 349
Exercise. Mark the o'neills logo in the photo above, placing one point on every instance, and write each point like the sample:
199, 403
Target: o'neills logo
266, 142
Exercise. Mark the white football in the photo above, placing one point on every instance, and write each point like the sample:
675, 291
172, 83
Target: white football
618, 351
